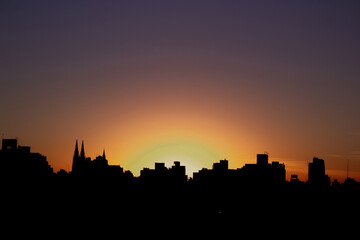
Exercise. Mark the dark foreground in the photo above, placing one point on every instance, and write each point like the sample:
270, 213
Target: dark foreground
82, 208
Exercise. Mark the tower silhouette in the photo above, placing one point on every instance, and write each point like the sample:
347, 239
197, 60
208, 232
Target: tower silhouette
78, 159
75, 157
317, 174
82, 153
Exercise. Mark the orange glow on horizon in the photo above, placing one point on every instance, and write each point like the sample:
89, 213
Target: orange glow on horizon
185, 81
194, 140
144, 127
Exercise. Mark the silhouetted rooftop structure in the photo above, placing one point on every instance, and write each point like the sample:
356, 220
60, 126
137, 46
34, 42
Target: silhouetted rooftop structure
294, 178
317, 176
162, 175
261, 173
262, 160
264, 173
96, 190
19, 163
98, 168
9, 145
223, 165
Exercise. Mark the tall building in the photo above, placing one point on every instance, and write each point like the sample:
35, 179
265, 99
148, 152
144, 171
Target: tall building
317, 174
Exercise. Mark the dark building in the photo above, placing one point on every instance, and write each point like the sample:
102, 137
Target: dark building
216, 175
178, 173
98, 168
78, 163
263, 172
221, 166
9, 145
260, 173
19, 163
262, 160
162, 175
294, 178
317, 176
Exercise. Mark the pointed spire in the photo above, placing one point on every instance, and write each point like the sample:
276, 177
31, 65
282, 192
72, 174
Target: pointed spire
82, 154
75, 164
104, 154
76, 152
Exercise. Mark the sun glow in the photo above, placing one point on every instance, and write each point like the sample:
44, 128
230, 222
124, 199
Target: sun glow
191, 154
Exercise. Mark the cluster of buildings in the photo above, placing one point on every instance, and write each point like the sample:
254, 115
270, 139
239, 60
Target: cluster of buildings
262, 172
162, 175
98, 168
19, 162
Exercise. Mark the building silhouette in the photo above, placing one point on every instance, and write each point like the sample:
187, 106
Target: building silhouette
18, 163
317, 176
99, 168
261, 173
162, 175
294, 179
80, 164
95, 191
220, 174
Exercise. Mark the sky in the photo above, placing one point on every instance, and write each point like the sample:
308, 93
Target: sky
191, 81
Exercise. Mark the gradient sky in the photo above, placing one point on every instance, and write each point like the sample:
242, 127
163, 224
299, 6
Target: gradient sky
193, 81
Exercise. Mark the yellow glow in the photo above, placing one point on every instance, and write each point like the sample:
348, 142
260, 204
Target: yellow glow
191, 154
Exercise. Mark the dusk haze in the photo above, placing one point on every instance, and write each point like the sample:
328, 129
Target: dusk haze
200, 119
193, 82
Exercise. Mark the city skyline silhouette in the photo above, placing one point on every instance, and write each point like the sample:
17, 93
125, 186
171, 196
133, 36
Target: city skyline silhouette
190, 111
95, 190
19, 161
81, 164
184, 81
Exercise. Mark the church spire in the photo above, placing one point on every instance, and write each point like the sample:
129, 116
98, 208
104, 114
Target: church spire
82, 153
75, 164
104, 154
76, 152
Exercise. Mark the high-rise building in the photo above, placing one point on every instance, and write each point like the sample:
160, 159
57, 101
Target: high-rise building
317, 174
